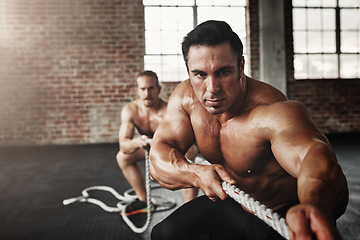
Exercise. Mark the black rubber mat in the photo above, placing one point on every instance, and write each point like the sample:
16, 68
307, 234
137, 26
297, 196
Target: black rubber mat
35, 180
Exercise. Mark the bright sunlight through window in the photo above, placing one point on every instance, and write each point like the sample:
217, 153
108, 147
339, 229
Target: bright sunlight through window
168, 21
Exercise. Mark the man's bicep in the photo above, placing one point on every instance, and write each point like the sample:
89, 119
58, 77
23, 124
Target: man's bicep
127, 126
294, 133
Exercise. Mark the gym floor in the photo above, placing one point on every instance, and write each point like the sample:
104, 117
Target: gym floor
34, 180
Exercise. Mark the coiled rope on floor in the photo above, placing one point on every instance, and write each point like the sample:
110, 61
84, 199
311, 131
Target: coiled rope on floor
261, 211
258, 209
160, 202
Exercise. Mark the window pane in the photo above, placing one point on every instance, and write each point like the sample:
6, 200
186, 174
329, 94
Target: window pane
329, 42
153, 63
350, 66
300, 43
174, 69
314, 42
157, 18
314, 3
165, 28
160, 42
350, 19
328, 19
152, 18
221, 2
234, 16
328, 3
300, 66
299, 19
330, 66
170, 42
350, 42
317, 3
298, 3
169, 2
168, 68
322, 66
152, 42
176, 18
349, 3
315, 65
314, 19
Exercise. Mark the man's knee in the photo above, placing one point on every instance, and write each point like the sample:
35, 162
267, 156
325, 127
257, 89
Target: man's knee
163, 231
124, 160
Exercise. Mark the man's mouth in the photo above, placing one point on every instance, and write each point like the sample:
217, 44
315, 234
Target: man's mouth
213, 102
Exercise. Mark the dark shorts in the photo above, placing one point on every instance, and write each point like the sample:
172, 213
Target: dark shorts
202, 219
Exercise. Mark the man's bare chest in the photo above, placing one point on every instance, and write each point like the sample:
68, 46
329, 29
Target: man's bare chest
237, 146
147, 122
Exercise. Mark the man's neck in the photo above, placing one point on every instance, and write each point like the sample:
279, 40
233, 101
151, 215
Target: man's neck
239, 106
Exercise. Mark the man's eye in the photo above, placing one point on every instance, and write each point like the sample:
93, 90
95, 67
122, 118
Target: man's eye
224, 73
200, 75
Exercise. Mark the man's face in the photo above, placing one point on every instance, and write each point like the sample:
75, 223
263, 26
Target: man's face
214, 76
147, 90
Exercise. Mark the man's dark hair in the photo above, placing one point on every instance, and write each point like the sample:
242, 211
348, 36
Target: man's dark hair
149, 73
212, 33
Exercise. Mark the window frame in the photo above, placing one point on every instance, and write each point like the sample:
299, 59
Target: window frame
195, 6
338, 47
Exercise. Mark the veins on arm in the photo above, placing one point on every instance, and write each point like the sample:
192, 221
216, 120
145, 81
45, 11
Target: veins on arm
127, 131
305, 153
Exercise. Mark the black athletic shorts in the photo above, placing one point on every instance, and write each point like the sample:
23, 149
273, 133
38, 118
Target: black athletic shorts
202, 219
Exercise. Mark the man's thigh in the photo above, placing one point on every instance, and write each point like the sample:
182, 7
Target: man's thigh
203, 219
138, 155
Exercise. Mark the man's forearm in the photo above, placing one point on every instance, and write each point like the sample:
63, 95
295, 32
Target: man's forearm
128, 146
170, 168
322, 182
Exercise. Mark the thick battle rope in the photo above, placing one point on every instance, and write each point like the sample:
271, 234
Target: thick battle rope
258, 209
161, 204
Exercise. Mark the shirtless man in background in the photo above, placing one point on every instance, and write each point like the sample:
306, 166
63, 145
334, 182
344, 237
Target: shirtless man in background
255, 138
143, 114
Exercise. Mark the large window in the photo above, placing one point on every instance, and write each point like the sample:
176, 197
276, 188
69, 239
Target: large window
168, 21
326, 39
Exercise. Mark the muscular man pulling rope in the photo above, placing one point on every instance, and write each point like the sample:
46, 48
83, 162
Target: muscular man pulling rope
144, 115
255, 138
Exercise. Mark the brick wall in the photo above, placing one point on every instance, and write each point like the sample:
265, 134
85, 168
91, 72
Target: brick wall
334, 104
67, 68
253, 39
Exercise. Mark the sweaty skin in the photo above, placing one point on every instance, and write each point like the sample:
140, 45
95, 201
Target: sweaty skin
255, 138
143, 114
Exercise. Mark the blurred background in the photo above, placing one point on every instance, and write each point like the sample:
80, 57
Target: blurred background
68, 67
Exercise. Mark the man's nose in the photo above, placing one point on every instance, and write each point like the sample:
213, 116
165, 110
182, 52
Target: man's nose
213, 85
146, 92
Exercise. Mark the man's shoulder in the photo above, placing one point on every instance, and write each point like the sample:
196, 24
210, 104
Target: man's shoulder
281, 114
261, 93
182, 92
279, 107
131, 107
182, 88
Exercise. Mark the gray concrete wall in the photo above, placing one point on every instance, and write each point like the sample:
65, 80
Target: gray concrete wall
272, 43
